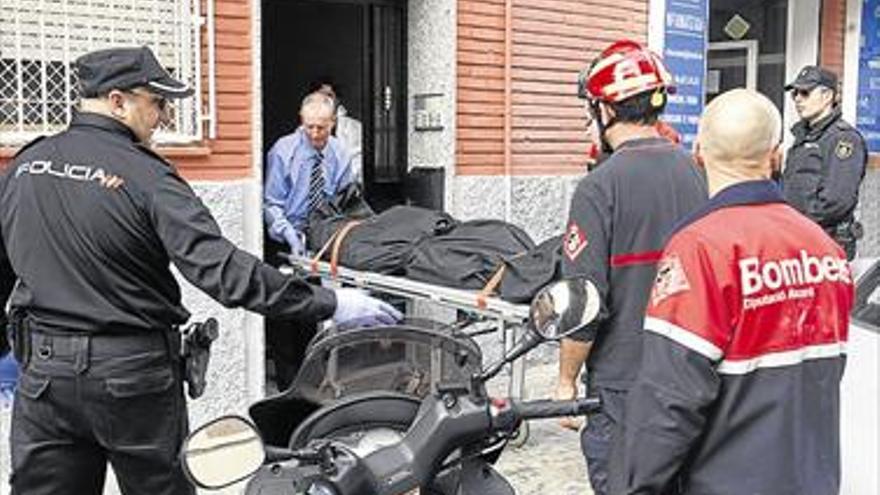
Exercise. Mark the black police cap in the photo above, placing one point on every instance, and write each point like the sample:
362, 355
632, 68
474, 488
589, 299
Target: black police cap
811, 76
126, 68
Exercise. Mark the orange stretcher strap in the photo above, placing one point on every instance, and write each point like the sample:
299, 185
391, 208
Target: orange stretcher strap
313, 265
490, 286
337, 245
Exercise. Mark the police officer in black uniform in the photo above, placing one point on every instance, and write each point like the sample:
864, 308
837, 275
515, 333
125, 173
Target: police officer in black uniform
826, 164
90, 220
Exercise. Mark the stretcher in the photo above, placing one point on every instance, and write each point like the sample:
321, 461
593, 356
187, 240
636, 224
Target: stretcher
489, 313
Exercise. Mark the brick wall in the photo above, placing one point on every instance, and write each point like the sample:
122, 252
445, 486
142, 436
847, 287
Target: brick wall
229, 156
832, 34
531, 81
480, 87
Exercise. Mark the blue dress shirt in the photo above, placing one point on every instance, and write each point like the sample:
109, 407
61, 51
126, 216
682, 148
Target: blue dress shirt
285, 196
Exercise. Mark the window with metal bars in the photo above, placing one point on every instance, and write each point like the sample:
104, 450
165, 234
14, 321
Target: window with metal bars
40, 39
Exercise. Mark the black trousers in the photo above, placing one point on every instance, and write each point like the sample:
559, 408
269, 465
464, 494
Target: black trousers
286, 340
83, 401
286, 343
599, 434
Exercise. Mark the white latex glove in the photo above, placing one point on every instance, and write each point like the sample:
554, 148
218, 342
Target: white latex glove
293, 239
355, 308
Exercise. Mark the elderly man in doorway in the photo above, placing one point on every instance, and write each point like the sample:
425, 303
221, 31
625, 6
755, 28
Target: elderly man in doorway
349, 130
303, 170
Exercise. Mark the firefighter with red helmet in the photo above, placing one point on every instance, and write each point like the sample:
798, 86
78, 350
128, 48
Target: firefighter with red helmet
619, 217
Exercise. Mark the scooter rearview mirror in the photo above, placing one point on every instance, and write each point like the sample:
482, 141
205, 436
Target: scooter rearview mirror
222, 452
564, 307
559, 309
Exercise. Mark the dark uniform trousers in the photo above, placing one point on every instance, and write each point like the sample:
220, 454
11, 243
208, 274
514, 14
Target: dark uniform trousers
598, 435
603, 428
83, 401
286, 341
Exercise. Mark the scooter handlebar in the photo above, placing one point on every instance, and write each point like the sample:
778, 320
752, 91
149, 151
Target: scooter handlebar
554, 408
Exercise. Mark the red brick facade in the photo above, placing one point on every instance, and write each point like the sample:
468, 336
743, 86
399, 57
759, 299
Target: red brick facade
518, 61
832, 35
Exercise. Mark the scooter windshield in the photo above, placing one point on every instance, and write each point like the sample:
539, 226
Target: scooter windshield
407, 358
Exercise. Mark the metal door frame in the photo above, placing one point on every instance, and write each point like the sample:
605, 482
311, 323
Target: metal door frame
751, 48
385, 84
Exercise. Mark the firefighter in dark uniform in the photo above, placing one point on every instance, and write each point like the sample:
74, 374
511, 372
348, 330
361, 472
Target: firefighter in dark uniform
90, 220
826, 164
620, 214
738, 390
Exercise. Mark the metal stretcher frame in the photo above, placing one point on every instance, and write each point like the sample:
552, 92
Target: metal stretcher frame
511, 318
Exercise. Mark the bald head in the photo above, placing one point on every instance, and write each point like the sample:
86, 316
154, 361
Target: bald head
739, 135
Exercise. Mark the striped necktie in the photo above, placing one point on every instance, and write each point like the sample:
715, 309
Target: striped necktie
316, 183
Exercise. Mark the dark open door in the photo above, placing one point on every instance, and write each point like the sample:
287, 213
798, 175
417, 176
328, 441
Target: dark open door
385, 169
361, 45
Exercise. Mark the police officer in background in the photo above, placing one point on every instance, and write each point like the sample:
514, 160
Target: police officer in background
826, 163
619, 217
90, 220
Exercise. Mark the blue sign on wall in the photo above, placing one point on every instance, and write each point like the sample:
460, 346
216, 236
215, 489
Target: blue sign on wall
8, 377
684, 52
868, 109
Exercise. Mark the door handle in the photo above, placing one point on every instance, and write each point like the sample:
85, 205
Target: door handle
387, 102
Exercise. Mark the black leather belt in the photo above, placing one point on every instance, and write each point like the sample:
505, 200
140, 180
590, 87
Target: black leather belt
46, 345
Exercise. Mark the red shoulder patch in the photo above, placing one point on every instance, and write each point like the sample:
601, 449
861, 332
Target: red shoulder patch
575, 241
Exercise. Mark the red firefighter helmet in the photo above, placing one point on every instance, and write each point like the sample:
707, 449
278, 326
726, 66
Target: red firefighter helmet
624, 69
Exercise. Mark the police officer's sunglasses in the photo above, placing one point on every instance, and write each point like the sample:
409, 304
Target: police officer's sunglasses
161, 102
803, 93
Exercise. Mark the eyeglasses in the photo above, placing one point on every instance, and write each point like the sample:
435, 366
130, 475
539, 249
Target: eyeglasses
160, 101
803, 93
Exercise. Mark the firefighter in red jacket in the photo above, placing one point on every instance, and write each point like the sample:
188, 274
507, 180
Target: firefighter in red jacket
619, 217
745, 333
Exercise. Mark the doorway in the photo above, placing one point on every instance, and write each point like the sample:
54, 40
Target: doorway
359, 45
731, 64
747, 47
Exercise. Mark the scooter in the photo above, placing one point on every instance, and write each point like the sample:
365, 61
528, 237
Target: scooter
410, 434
